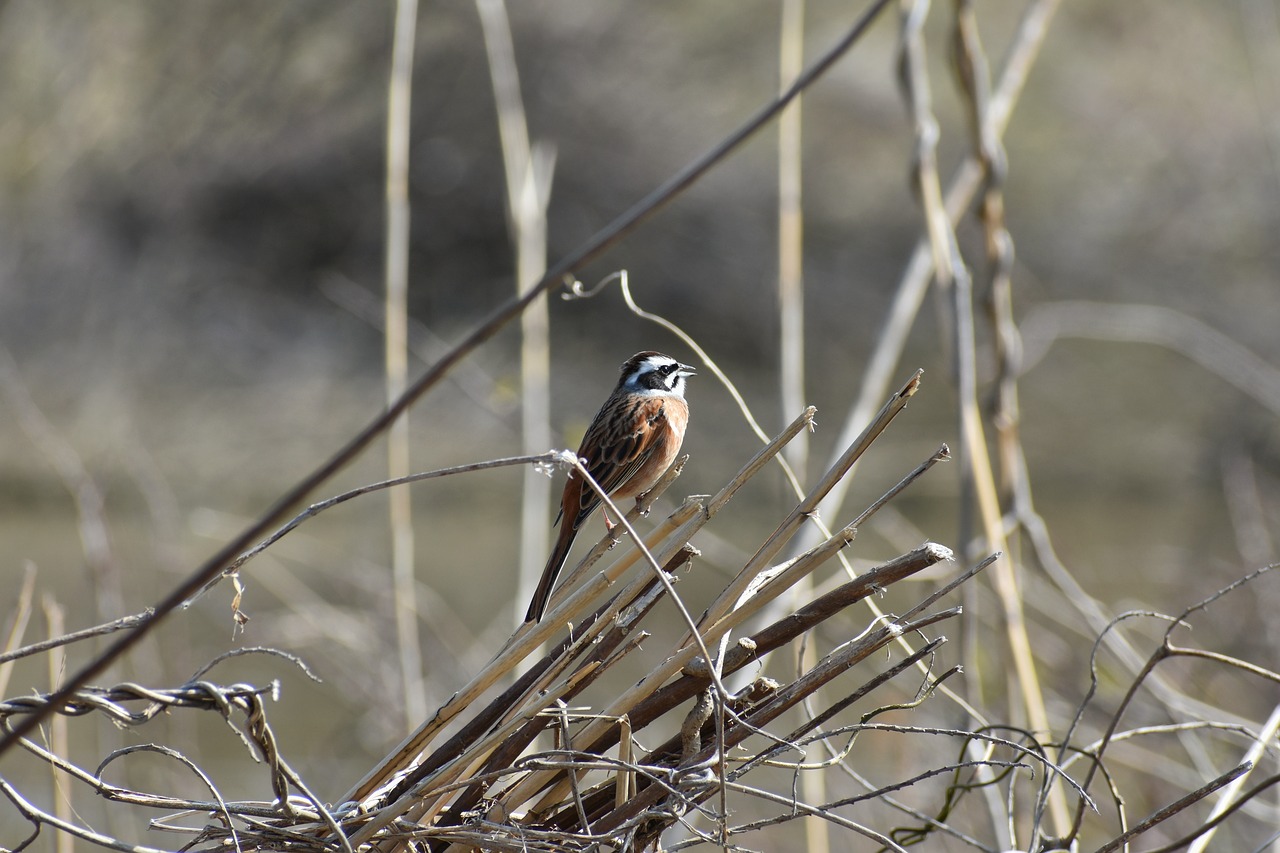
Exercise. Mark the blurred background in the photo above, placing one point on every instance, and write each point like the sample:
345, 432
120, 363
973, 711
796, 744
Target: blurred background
191, 262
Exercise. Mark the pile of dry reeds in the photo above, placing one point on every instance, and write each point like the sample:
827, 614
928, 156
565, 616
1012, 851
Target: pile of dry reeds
482, 788
487, 786
475, 776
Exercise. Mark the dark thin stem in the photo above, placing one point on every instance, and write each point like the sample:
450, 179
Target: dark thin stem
76, 636
1175, 807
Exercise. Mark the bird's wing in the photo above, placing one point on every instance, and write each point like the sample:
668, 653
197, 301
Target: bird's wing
616, 447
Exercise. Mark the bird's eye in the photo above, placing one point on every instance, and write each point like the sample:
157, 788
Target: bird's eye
668, 368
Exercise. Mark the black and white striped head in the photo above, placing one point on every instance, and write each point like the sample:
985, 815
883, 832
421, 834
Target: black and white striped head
653, 373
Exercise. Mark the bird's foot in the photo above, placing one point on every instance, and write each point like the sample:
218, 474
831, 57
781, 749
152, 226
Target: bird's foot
612, 529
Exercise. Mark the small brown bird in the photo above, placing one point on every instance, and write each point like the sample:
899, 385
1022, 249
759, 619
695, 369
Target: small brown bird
632, 442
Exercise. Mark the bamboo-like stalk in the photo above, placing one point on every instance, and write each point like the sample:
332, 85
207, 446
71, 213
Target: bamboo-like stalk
528, 179
19, 618
791, 376
63, 809
791, 326
604, 652
404, 593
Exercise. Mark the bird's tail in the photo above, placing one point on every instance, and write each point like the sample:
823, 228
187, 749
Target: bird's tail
542, 595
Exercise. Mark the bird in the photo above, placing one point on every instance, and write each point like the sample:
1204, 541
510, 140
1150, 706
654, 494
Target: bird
630, 444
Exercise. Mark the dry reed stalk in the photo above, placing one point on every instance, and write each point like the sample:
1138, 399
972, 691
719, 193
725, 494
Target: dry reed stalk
528, 170
19, 617
396, 359
55, 617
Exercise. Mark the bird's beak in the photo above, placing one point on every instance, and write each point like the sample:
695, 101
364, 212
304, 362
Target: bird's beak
687, 370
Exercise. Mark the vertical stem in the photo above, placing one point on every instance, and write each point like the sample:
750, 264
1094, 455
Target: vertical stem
973, 71
55, 618
397, 332
791, 233
791, 336
18, 622
528, 192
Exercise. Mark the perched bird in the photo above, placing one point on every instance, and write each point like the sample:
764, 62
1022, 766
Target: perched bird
633, 440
